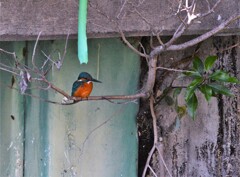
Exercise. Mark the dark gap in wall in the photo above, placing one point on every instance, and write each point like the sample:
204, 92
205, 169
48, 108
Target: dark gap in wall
25, 56
144, 119
220, 137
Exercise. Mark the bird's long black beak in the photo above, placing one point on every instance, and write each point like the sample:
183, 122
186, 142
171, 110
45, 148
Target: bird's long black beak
95, 80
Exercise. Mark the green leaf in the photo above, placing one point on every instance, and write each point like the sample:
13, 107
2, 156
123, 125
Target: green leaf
192, 87
198, 65
194, 74
210, 60
223, 76
192, 105
220, 89
207, 91
176, 92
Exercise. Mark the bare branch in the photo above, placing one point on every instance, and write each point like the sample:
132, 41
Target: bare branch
211, 10
152, 171
7, 52
203, 36
159, 39
179, 6
170, 47
92, 131
190, 9
111, 97
131, 46
34, 51
31, 95
189, 18
9, 67
57, 89
157, 145
10, 71
152, 64
151, 42
230, 47
160, 152
155, 139
144, 51
121, 9
180, 30
185, 23
148, 161
65, 49
154, 120
48, 59
172, 69
42, 99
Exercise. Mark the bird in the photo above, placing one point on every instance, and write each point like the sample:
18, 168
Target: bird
83, 86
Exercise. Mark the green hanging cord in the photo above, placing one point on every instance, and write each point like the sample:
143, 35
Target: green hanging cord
82, 32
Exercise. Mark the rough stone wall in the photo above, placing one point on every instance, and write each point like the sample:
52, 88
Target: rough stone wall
210, 144
23, 20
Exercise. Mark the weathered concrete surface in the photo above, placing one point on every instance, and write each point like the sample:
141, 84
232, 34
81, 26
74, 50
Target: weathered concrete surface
21, 20
208, 146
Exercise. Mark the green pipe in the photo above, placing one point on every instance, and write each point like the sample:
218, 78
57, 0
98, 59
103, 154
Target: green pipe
82, 32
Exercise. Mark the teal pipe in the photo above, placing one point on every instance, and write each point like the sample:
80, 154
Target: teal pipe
82, 32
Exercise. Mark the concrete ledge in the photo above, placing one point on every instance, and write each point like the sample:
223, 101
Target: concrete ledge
23, 20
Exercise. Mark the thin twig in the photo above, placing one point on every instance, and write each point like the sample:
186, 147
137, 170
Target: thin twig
31, 95
143, 49
211, 10
98, 60
163, 161
148, 160
155, 139
130, 45
34, 52
202, 37
91, 132
183, 22
170, 47
156, 144
172, 69
9, 67
45, 62
65, 48
112, 97
152, 171
48, 58
99, 126
159, 39
230, 47
7, 52
121, 9
7, 70
151, 42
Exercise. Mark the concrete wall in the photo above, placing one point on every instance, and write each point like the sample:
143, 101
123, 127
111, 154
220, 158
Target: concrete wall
93, 138
21, 20
209, 145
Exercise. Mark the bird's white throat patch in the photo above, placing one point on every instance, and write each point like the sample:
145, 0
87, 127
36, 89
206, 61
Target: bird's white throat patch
80, 80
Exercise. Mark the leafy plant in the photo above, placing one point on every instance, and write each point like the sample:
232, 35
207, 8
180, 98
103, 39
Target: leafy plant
209, 83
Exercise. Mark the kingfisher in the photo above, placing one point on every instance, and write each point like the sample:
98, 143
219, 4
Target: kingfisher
83, 86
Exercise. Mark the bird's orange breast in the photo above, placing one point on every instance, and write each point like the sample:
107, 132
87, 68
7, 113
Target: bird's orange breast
84, 90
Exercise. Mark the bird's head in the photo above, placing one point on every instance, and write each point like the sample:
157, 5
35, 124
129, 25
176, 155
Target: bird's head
88, 77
